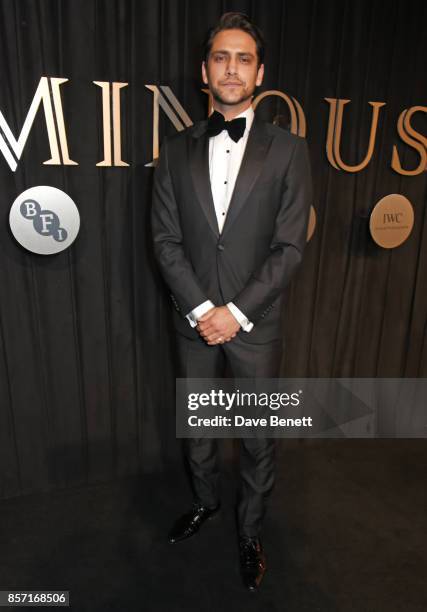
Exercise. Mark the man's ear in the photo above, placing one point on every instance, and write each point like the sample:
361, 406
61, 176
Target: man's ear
260, 75
204, 73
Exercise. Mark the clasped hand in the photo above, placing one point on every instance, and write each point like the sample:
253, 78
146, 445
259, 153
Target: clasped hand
218, 325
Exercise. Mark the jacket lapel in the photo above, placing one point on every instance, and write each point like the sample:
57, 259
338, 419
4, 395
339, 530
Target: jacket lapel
252, 162
199, 166
253, 158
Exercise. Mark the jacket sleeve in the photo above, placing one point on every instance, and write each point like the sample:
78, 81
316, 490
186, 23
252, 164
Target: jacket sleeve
288, 242
168, 243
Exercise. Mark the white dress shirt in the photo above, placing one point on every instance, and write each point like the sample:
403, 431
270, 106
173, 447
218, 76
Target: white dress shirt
225, 158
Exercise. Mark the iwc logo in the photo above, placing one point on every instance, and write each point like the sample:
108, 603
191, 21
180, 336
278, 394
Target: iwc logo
44, 220
391, 221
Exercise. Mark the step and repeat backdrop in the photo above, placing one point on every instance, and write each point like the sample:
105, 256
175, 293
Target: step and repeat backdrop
88, 90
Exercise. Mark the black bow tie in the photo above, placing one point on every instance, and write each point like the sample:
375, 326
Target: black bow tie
217, 123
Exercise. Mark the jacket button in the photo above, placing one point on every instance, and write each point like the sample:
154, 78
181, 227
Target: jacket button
220, 247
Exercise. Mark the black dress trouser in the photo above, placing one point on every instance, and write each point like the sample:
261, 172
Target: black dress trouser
196, 359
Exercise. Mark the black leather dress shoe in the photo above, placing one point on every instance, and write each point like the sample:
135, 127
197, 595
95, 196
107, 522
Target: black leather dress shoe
252, 562
189, 524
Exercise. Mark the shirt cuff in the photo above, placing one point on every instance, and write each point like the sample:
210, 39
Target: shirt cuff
198, 312
245, 324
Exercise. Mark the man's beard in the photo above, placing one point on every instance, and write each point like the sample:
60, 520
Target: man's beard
216, 94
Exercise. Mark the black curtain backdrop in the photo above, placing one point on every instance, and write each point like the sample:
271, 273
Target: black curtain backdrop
86, 346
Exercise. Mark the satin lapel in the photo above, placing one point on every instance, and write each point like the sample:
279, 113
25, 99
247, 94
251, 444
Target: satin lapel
199, 166
253, 159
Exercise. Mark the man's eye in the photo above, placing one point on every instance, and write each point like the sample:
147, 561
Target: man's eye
245, 60
219, 58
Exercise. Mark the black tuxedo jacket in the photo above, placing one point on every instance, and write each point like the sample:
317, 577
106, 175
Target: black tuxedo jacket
251, 262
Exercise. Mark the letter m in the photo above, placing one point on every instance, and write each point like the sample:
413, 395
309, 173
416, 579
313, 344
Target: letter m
12, 148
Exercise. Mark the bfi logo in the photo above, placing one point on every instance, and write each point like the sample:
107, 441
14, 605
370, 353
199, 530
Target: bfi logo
48, 90
44, 220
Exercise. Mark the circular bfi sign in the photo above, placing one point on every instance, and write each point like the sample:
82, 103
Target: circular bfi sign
44, 220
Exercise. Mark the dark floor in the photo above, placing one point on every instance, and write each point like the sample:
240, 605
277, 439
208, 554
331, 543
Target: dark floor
346, 532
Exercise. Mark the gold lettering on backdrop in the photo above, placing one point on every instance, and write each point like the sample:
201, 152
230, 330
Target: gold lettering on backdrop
167, 100
117, 138
114, 126
106, 121
56, 94
48, 93
311, 223
298, 124
12, 148
334, 134
418, 142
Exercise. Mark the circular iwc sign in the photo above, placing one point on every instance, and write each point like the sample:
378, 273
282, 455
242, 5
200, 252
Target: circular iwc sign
44, 220
391, 221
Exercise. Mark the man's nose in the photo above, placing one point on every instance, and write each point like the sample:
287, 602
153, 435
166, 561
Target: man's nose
232, 66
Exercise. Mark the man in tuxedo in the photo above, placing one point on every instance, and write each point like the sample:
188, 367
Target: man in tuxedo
231, 199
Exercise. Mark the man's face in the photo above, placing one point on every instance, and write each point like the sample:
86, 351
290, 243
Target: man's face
231, 71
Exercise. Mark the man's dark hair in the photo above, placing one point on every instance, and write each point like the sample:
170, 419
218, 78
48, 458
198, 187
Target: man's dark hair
236, 21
